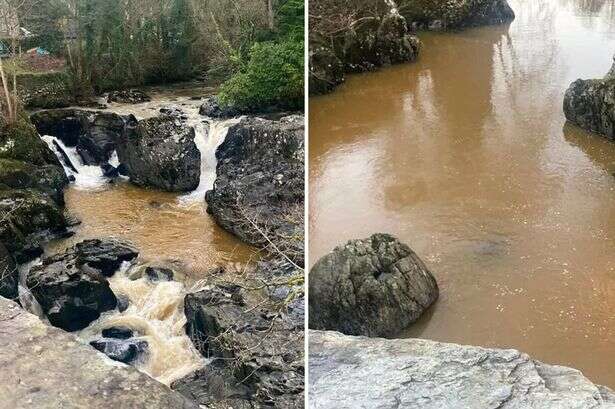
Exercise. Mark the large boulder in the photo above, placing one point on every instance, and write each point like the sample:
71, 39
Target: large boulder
48, 179
590, 104
160, 152
32, 180
95, 134
46, 368
9, 275
453, 15
326, 70
28, 218
72, 288
351, 372
257, 352
375, 287
259, 188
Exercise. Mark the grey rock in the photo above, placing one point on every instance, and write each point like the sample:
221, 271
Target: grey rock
160, 152
46, 368
590, 104
156, 274
260, 181
358, 372
375, 287
121, 350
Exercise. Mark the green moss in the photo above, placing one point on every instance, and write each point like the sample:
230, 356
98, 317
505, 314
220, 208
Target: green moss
21, 142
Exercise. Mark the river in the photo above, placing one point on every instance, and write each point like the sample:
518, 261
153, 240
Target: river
466, 156
169, 229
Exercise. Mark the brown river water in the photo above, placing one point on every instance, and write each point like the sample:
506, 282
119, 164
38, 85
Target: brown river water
169, 229
466, 156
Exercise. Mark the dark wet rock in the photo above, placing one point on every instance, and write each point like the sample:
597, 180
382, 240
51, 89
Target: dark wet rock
122, 170
97, 144
65, 124
71, 297
9, 275
95, 134
211, 108
378, 42
160, 152
72, 288
122, 350
260, 182
453, 15
21, 142
373, 42
260, 354
156, 274
590, 104
175, 112
123, 302
46, 368
28, 218
105, 256
375, 287
350, 372
326, 70
129, 96
47, 179
117, 332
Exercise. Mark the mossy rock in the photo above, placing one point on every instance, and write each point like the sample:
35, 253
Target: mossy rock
21, 142
49, 179
45, 90
9, 275
456, 14
27, 216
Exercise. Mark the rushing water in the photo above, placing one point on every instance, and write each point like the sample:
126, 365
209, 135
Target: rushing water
169, 229
465, 155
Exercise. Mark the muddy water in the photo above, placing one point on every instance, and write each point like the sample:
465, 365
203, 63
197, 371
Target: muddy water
169, 229
465, 155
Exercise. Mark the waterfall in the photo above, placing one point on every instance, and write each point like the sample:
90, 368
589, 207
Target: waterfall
207, 138
156, 315
86, 177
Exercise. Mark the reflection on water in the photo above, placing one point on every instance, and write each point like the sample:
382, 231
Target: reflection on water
465, 156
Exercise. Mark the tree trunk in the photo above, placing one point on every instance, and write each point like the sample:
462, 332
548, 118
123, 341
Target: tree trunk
7, 93
270, 15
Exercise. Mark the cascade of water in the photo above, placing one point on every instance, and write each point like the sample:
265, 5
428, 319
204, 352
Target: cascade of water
26, 299
207, 138
86, 177
156, 315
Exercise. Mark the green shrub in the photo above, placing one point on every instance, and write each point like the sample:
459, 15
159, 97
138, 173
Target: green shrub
273, 75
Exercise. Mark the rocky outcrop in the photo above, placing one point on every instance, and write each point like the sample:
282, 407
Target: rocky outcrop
259, 188
128, 96
160, 152
211, 108
27, 219
367, 44
350, 372
590, 104
46, 368
95, 134
257, 352
454, 15
72, 288
47, 179
375, 287
9, 275
122, 350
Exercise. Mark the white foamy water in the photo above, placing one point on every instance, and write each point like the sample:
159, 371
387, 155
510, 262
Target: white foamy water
26, 299
156, 315
87, 177
207, 138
